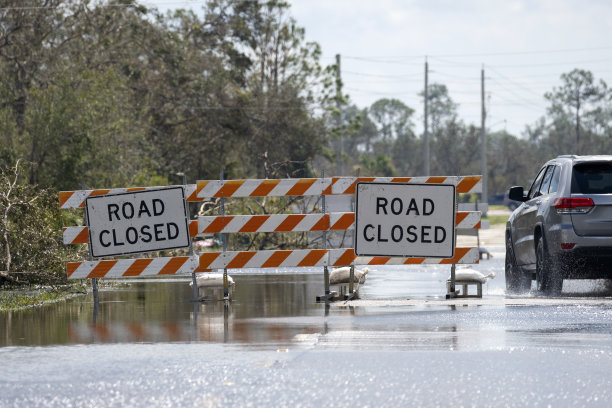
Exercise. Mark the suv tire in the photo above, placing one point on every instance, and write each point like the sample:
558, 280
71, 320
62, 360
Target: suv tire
517, 281
548, 279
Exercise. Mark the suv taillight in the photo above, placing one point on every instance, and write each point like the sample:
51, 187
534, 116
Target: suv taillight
574, 205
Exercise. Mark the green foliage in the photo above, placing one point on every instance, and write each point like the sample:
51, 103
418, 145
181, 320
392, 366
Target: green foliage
392, 119
441, 108
379, 165
19, 299
581, 101
111, 95
31, 232
512, 161
264, 206
100, 96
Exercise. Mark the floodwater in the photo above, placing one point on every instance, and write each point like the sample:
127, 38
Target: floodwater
402, 343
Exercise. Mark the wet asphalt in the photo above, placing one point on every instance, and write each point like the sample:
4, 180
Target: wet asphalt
402, 343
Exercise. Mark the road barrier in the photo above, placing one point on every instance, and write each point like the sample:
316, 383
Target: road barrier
226, 224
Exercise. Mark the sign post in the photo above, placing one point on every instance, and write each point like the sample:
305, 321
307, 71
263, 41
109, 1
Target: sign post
405, 220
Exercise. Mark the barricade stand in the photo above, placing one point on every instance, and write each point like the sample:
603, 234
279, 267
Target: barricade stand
450, 290
191, 253
327, 296
94, 281
224, 241
98, 264
464, 220
314, 222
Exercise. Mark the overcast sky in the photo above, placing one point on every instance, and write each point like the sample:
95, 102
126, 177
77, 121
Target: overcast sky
523, 46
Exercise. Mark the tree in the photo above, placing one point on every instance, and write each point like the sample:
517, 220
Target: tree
378, 165
66, 110
453, 150
30, 231
27, 39
511, 160
441, 107
576, 97
392, 119
368, 131
285, 82
406, 155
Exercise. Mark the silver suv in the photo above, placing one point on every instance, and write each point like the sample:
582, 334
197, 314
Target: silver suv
563, 227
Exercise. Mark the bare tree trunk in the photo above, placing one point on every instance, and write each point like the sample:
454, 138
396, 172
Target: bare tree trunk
5, 220
6, 198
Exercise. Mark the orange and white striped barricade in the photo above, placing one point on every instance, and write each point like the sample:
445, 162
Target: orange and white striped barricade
261, 187
129, 211
263, 259
316, 222
264, 223
320, 222
80, 234
463, 220
130, 268
347, 257
463, 184
76, 199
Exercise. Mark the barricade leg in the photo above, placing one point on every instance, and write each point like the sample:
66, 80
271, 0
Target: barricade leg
450, 284
195, 287
94, 285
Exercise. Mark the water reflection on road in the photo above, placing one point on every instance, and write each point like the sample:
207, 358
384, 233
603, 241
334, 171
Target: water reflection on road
162, 310
279, 310
268, 307
147, 344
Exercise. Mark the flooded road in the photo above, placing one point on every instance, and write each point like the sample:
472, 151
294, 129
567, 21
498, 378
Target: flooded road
402, 343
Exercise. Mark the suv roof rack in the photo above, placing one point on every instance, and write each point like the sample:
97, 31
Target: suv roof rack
567, 156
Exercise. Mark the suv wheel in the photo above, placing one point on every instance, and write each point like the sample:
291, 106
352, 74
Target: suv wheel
517, 281
547, 277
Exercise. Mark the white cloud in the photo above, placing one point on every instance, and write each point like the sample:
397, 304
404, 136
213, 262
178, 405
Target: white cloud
516, 40
513, 39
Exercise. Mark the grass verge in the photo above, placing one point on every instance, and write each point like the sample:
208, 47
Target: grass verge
496, 219
15, 299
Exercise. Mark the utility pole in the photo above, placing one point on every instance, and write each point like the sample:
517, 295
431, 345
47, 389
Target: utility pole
340, 162
483, 137
425, 124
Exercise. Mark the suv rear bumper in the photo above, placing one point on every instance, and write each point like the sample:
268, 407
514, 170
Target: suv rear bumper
585, 263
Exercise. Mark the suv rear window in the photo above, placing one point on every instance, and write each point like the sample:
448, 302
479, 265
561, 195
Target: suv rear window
592, 178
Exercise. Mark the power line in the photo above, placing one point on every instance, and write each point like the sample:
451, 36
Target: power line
376, 92
511, 102
487, 54
530, 90
384, 60
548, 64
382, 75
550, 51
520, 97
456, 76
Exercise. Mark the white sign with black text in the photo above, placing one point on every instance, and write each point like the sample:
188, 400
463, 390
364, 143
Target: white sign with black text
405, 220
139, 221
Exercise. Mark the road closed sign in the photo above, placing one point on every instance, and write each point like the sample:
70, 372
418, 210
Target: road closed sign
405, 220
139, 221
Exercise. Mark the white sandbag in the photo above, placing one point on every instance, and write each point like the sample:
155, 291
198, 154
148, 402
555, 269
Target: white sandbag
209, 279
471, 275
342, 275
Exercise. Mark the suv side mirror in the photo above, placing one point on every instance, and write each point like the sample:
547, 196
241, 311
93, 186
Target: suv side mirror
517, 193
